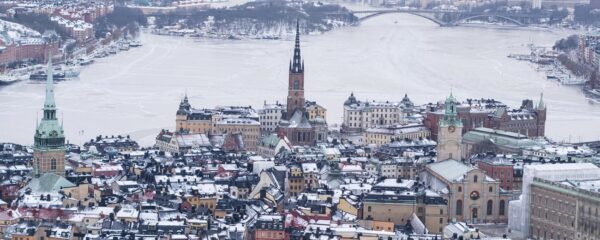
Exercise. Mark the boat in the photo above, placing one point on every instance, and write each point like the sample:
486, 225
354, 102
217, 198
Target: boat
7, 79
83, 61
124, 46
135, 43
113, 50
100, 54
69, 71
40, 75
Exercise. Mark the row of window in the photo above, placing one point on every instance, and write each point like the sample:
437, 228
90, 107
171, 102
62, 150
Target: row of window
489, 207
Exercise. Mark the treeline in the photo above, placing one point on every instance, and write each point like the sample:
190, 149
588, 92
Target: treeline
39, 22
577, 68
314, 16
122, 18
566, 44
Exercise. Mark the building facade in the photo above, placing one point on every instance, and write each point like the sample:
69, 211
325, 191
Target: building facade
399, 209
502, 170
270, 116
49, 139
472, 196
362, 115
385, 134
565, 209
528, 120
221, 120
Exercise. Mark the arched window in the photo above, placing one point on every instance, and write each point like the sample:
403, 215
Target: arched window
475, 178
489, 207
501, 208
296, 85
53, 164
491, 189
459, 207
459, 189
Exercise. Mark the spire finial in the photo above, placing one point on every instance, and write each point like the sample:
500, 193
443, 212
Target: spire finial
541, 104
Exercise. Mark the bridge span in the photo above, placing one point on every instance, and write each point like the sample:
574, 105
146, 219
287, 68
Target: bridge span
448, 18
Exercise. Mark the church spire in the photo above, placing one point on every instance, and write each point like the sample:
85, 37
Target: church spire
49, 103
541, 104
297, 65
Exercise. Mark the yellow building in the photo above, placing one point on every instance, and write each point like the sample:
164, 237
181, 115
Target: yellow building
295, 181
472, 196
399, 208
315, 110
222, 120
348, 206
385, 134
377, 225
249, 128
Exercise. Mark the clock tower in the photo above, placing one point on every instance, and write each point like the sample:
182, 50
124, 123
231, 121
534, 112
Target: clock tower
49, 138
450, 133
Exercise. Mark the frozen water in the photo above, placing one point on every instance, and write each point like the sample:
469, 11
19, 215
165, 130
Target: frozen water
137, 92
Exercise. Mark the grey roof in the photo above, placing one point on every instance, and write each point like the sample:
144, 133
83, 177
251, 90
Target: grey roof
190, 140
49, 182
498, 137
450, 169
299, 120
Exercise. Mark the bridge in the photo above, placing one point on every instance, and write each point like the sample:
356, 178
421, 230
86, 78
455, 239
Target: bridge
448, 18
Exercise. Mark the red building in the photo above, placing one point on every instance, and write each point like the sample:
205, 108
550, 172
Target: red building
528, 120
297, 126
270, 228
500, 169
36, 50
9, 192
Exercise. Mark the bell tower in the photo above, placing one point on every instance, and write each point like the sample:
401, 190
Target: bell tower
49, 139
450, 133
295, 98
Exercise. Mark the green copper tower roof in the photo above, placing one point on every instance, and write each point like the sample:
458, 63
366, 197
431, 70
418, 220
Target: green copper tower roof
450, 115
49, 133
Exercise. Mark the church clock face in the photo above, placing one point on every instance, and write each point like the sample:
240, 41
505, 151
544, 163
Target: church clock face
451, 129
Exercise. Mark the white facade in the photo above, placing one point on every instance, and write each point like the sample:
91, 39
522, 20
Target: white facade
359, 115
551, 172
270, 116
371, 115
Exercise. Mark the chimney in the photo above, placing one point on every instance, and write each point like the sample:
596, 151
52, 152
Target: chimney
263, 193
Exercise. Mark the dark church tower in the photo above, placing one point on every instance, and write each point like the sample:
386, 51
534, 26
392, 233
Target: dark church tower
295, 99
